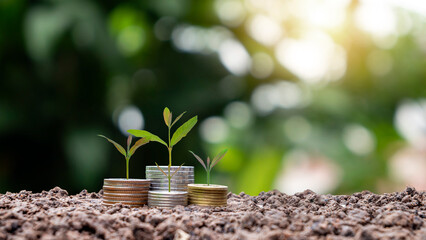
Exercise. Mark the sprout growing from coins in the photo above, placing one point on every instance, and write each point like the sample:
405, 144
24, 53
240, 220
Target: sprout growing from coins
181, 132
210, 164
130, 151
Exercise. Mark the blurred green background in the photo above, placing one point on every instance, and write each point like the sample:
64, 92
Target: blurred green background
325, 95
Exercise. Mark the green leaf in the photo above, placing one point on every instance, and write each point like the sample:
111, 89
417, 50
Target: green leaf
177, 119
208, 162
139, 143
145, 134
199, 160
167, 117
118, 146
177, 170
218, 158
183, 130
161, 170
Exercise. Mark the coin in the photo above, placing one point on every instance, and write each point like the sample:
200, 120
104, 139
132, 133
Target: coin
125, 198
207, 195
183, 168
126, 188
124, 202
211, 198
125, 181
130, 205
115, 194
208, 187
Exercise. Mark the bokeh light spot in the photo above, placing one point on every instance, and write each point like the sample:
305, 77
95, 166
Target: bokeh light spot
131, 40
214, 130
238, 114
264, 30
230, 12
359, 140
262, 65
410, 120
303, 171
234, 57
130, 118
313, 58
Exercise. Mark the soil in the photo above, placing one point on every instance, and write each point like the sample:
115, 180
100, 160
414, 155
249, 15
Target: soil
272, 215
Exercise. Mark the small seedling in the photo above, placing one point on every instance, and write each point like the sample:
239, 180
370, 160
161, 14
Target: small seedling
181, 132
130, 151
210, 164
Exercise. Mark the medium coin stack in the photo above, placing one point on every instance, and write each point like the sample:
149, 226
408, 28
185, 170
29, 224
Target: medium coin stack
207, 195
178, 182
166, 199
131, 192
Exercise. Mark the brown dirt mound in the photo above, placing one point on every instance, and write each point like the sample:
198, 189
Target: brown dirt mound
271, 215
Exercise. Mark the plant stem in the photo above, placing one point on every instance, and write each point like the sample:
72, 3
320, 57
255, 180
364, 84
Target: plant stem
170, 161
127, 168
208, 178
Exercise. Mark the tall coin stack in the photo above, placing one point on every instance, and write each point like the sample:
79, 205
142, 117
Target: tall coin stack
178, 182
166, 199
207, 195
131, 192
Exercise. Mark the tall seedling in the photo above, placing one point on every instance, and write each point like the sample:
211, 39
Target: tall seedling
181, 132
210, 164
130, 151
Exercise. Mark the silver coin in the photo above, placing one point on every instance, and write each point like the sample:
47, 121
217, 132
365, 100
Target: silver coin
161, 175
171, 167
172, 194
167, 189
166, 206
173, 185
171, 180
167, 198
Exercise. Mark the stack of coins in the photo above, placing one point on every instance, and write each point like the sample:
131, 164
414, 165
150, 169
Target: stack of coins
131, 192
178, 182
207, 195
166, 199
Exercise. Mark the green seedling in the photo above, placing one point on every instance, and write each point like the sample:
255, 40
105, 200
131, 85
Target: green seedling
130, 151
181, 132
210, 164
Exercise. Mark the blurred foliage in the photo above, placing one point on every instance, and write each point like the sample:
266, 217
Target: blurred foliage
69, 67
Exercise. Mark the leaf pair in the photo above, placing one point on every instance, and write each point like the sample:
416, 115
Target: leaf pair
130, 151
180, 133
168, 117
208, 167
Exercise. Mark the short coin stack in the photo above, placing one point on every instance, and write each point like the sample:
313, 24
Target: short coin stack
131, 192
207, 195
178, 182
166, 199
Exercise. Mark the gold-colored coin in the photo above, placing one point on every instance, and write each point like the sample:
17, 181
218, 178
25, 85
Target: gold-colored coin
208, 187
206, 197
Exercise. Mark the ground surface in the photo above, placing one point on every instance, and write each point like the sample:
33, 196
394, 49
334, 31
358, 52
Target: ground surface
272, 215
